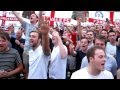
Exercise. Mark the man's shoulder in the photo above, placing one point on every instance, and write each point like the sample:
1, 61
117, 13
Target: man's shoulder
108, 43
106, 71
13, 50
108, 74
65, 46
110, 57
85, 58
79, 73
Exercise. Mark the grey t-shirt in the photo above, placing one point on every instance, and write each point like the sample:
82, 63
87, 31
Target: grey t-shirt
10, 60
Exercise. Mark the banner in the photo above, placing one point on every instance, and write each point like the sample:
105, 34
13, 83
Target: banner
58, 16
7, 17
99, 16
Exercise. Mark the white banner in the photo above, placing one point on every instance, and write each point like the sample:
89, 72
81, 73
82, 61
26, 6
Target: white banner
99, 16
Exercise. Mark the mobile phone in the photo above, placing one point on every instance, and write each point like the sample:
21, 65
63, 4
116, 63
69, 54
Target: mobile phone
107, 20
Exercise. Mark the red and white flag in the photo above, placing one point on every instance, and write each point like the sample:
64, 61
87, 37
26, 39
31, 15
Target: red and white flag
7, 17
58, 16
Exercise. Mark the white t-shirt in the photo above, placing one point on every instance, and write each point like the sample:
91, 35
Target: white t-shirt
83, 74
57, 69
37, 64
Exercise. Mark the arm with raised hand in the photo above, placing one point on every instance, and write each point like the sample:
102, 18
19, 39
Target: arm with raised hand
79, 27
69, 29
63, 50
20, 19
44, 29
72, 50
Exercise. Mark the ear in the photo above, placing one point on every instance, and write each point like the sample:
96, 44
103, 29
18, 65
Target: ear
91, 59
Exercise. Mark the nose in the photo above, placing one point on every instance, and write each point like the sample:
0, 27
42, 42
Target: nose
88, 35
99, 45
83, 43
104, 59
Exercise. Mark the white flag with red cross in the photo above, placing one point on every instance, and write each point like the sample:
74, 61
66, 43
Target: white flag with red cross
7, 17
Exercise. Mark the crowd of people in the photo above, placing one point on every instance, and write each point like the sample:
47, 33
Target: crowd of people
67, 52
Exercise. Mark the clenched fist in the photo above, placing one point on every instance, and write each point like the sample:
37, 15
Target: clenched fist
17, 42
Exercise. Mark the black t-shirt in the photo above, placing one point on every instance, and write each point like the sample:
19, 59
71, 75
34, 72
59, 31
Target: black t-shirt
80, 55
17, 47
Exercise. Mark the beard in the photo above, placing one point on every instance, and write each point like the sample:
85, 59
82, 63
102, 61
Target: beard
2, 49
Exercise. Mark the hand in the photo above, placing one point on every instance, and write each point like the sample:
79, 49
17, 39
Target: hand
44, 29
11, 27
41, 20
21, 45
4, 74
71, 46
17, 42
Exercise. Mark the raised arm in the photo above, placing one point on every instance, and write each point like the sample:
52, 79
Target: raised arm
68, 29
20, 19
62, 48
79, 27
72, 51
44, 29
